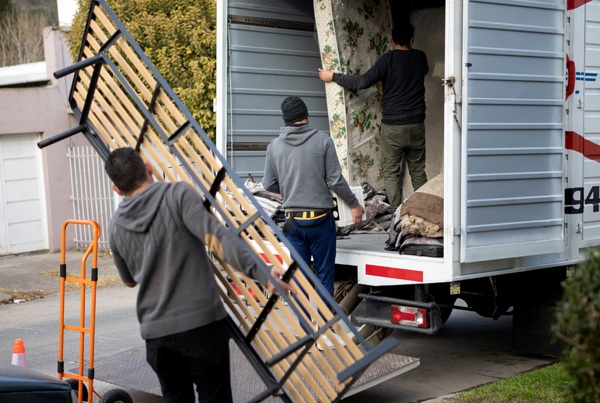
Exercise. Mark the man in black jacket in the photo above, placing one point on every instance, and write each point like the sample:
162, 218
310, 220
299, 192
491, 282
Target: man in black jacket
402, 73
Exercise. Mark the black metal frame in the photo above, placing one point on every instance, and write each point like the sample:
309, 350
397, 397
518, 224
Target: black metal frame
257, 363
274, 387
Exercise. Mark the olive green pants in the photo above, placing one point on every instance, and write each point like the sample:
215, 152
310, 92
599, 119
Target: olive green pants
397, 140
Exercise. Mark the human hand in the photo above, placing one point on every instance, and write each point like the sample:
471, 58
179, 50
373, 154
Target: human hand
325, 75
277, 273
357, 212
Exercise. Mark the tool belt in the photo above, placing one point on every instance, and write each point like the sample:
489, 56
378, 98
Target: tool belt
291, 217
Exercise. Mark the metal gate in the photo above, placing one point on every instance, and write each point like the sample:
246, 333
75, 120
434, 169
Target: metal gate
92, 196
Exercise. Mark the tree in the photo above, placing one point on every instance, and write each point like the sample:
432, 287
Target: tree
5, 7
578, 325
21, 38
179, 37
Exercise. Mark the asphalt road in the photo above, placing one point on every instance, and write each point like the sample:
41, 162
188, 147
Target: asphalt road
469, 351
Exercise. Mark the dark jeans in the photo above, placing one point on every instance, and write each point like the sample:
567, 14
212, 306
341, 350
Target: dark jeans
199, 356
319, 243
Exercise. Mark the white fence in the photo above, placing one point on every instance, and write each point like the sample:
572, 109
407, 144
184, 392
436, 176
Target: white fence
92, 197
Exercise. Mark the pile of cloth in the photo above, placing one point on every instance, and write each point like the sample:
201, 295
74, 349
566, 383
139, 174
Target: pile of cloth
378, 220
271, 202
419, 216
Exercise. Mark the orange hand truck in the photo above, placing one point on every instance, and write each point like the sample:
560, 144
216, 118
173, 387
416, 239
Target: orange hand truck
76, 381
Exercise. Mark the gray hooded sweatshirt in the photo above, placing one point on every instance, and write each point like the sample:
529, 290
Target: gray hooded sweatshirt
302, 166
158, 238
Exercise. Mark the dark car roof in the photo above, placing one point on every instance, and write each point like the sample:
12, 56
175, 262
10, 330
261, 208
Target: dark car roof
17, 379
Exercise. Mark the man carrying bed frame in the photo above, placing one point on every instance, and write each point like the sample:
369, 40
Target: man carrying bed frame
158, 237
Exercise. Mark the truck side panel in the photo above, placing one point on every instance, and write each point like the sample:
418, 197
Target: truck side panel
588, 82
512, 171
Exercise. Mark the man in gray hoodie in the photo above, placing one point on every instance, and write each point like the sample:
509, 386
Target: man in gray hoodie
158, 237
303, 167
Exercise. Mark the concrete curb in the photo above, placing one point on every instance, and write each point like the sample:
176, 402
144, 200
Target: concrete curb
5, 297
439, 399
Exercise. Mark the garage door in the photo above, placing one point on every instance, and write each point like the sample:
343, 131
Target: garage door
23, 225
273, 53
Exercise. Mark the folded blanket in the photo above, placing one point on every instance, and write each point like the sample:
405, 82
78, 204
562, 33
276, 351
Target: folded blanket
418, 226
427, 202
423, 212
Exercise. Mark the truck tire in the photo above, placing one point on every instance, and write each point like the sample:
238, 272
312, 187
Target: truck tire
74, 384
440, 294
446, 312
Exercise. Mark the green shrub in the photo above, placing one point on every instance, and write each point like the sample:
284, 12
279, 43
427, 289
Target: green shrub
578, 324
179, 37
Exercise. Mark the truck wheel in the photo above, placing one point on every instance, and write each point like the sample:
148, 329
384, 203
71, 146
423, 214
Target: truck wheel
440, 294
446, 312
74, 384
116, 396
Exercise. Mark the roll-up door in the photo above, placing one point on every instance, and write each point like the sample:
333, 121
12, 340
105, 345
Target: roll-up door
273, 53
512, 145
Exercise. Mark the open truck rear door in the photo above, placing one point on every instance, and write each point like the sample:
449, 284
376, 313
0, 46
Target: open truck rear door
512, 175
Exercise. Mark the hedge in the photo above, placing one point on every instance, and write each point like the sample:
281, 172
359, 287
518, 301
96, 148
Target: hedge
179, 37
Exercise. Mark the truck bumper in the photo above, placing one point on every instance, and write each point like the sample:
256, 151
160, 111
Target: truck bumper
378, 313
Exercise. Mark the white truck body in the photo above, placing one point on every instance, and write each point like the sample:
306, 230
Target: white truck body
516, 138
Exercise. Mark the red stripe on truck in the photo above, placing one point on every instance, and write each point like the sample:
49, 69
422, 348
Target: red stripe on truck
390, 272
589, 149
267, 259
573, 4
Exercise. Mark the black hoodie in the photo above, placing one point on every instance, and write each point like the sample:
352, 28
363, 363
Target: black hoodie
158, 238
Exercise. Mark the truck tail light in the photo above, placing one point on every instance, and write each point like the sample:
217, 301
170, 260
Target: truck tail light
240, 294
403, 315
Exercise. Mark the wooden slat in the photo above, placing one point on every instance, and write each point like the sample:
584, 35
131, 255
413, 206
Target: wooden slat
314, 354
138, 116
141, 68
121, 62
262, 337
107, 108
129, 52
116, 137
283, 343
261, 348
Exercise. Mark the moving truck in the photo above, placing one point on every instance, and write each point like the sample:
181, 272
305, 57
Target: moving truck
513, 123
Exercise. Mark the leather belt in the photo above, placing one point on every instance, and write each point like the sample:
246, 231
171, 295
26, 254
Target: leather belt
306, 215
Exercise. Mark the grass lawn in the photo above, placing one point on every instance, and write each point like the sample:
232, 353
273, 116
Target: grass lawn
544, 385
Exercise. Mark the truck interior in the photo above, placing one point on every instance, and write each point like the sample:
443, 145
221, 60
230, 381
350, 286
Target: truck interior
278, 55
